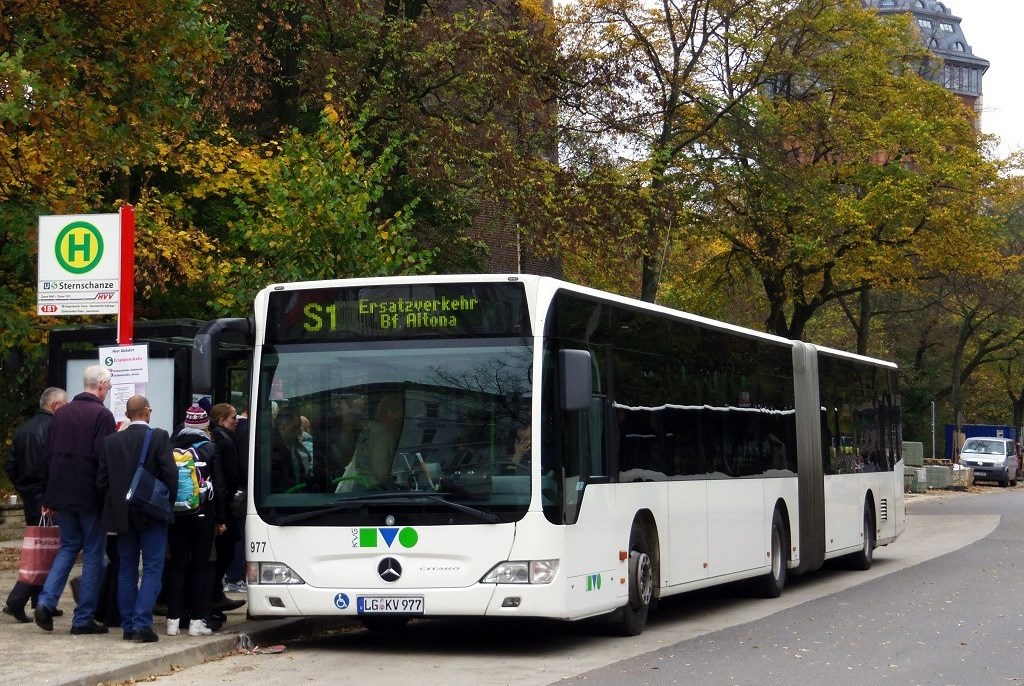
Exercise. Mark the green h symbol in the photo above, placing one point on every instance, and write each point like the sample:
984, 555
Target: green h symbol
75, 247
76, 241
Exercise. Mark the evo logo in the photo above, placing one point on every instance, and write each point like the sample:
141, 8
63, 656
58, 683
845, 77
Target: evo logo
371, 538
593, 582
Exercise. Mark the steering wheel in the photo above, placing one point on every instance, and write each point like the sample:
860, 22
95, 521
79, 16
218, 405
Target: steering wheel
352, 477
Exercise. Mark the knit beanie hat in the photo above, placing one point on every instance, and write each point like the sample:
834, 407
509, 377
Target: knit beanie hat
205, 403
196, 417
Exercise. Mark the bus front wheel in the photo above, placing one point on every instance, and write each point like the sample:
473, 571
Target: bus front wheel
630, 619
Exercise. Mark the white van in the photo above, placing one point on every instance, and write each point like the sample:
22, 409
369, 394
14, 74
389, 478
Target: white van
992, 459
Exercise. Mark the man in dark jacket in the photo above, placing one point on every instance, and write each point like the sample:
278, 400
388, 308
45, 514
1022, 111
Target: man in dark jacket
25, 467
72, 456
137, 534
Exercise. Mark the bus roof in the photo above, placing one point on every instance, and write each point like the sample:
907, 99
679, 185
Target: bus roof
549, 285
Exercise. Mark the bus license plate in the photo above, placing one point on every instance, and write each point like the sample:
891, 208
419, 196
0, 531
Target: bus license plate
392, 605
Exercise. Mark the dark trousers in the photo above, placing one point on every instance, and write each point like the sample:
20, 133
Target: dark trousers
225, 549
22, 593
237, 569
107, 610
188, 584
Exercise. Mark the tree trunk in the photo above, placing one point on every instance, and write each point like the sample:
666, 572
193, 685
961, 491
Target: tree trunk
864, 324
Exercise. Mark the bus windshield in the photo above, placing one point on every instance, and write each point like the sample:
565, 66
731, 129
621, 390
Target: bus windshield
424, 430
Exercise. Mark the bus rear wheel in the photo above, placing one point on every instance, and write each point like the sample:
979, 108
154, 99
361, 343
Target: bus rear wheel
630, 619
774, 581
863, 558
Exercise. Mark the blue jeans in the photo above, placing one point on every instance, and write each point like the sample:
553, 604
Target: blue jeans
78, 532
136, 600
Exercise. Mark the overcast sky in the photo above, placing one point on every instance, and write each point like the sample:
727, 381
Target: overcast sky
995, 31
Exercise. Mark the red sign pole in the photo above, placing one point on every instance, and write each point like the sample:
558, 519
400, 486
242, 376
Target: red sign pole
126, 303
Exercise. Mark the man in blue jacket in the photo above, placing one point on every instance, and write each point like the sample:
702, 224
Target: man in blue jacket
25, 467
72, 457
137, 533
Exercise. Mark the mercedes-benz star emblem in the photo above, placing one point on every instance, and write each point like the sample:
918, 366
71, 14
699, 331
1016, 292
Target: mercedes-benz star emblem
390, 570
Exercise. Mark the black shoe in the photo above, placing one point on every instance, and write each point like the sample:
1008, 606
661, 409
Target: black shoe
160, 610
17, 612
227, 604
57, 612
90, 628
128, 636
146, 635
44, 618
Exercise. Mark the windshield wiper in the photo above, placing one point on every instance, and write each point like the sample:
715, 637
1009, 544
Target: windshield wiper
482, 514
414, 497
310, 514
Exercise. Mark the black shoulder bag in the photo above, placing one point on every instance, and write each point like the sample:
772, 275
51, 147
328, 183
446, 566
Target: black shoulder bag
147, 494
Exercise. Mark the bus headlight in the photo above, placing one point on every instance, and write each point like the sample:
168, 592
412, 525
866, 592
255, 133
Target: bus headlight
522, 572
271, 573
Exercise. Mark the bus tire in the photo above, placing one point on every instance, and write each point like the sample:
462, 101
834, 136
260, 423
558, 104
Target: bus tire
630, 619
865, 556
774, 581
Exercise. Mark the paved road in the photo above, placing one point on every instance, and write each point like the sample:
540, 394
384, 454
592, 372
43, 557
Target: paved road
950, 620
895, 622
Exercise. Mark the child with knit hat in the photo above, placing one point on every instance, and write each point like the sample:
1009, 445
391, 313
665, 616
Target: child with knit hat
197, 418
190, 538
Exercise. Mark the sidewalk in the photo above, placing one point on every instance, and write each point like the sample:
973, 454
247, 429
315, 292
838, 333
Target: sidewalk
33, 656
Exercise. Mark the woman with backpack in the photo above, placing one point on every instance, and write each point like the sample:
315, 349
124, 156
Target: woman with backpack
200, 516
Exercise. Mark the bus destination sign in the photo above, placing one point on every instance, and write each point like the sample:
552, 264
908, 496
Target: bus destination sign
421, 310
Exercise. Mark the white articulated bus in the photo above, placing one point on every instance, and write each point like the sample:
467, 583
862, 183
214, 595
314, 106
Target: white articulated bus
513, 445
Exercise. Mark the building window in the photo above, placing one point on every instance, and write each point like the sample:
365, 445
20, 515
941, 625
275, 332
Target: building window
960, 47
945, 26
920, 4
924, 23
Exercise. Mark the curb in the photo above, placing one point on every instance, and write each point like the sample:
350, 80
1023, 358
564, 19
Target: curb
264, 632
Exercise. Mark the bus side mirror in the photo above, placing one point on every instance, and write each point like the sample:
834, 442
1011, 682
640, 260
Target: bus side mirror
574, 381
205, 348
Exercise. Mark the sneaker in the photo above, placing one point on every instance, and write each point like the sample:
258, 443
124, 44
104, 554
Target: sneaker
17, 612
197, 627
238, 587
127, 635
173, 627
